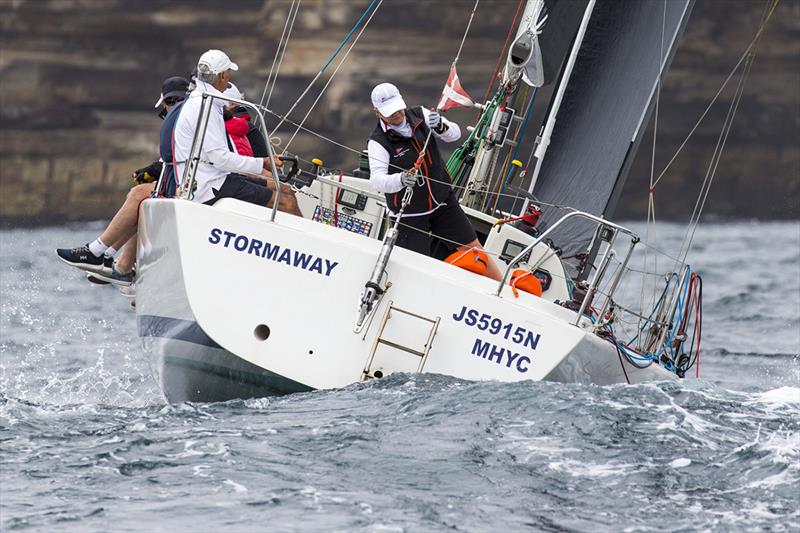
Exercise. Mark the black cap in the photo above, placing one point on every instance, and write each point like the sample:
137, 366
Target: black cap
174, 86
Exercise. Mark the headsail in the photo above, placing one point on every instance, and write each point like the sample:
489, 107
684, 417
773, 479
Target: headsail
605, 107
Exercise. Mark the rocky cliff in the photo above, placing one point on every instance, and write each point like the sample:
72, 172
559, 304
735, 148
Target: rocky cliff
79, 79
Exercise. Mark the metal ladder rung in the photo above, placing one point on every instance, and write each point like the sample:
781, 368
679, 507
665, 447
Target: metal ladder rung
423, 355
401, 347
409, 313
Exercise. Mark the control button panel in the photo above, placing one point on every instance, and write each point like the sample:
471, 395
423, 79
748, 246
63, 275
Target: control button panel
341, 220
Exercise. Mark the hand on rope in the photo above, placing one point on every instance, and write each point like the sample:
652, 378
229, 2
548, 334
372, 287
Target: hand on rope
409, 177
435, 122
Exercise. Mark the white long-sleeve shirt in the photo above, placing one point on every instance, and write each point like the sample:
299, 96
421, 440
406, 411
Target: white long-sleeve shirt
216, 158
379, 174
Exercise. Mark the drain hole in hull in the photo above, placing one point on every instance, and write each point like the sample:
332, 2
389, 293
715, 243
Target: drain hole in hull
261, 332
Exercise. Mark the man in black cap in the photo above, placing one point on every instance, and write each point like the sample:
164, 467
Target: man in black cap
98, 256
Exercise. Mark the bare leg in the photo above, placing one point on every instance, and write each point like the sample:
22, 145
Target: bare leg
288, 201
491, 268
123, 225
127, 257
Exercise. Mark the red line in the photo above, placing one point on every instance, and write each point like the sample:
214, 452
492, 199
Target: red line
503, 51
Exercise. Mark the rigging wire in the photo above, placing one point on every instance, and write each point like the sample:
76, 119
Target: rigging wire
503, 51
283, 42
724, 84
461, 187
325, 66
651, 207
333, 75
464, 38
713, 164
722, 139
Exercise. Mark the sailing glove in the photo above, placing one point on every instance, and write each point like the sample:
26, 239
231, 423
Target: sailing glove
408, 178
435, 122
148, 174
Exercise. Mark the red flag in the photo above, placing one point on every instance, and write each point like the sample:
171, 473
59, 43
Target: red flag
453, 95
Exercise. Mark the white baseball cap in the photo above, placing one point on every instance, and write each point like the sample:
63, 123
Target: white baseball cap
386, 98
215, 62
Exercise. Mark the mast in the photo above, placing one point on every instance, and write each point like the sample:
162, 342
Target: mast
524, 62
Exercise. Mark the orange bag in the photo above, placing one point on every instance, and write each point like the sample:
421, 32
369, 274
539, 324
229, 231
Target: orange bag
525, 281
473, 260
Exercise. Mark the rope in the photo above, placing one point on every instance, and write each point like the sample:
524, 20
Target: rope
464, 38
705, 188
327, 83
282, 45
360, 153
724, 84
651, 207
520, 135
325, 66
503, 51
714, 163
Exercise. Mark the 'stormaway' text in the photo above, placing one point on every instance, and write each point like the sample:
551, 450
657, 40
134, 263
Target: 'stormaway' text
273, 252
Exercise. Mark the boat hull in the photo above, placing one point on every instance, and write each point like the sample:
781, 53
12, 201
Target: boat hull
224, 318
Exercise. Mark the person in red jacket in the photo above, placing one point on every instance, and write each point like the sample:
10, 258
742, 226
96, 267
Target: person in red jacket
237, 126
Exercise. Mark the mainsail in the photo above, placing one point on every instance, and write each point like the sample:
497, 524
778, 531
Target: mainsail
608, 99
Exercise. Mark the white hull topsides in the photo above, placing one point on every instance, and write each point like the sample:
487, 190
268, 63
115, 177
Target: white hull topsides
234, 305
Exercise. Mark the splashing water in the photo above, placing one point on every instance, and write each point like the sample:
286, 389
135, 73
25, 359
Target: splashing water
88, 443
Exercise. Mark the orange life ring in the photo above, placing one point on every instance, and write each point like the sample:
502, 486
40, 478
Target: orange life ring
473, 260
525, 281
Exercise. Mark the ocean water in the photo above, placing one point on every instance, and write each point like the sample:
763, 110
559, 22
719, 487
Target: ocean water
87, 442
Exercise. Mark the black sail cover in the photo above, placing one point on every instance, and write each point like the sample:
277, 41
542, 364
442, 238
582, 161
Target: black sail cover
605, 108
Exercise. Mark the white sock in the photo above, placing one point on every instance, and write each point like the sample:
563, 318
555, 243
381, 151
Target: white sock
111, 252
97, 247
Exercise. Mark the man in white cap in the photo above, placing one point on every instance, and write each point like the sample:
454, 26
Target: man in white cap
222, 173
394, 147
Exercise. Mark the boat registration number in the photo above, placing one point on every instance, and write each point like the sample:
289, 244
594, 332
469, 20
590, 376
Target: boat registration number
497, 327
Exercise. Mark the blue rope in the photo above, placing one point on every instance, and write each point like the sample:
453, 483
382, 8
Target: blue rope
347, 38
655, 307
636, 358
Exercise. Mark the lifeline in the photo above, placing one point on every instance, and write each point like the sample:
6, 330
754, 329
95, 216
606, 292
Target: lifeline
293, 258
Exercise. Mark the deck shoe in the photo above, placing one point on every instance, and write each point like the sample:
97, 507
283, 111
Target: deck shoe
81, 257
120, 279
108, 265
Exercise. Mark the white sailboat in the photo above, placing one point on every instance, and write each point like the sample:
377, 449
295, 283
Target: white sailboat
294, 312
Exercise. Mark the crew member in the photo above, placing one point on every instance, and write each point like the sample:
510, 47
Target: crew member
222, 173
98, 256
394, 147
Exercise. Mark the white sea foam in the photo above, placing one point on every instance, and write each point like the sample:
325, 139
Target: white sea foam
781, 395
585, 469
236, 486
681, 462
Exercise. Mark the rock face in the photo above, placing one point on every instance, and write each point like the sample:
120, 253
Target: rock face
79, 79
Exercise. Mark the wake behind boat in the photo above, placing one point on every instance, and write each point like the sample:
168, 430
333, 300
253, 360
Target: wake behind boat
236, 300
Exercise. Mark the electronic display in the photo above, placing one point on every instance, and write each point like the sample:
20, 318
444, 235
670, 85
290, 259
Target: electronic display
511, 249
352, 199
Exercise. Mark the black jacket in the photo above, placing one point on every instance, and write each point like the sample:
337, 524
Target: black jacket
403, 153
